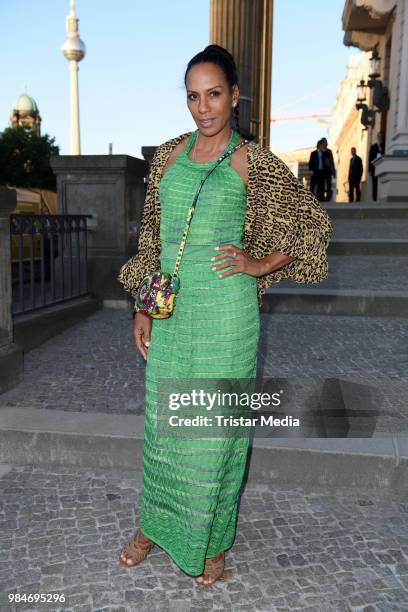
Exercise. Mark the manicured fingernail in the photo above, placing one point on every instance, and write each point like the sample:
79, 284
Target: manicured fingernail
213, 268
216, 248
212, 258
147, 343
220, 275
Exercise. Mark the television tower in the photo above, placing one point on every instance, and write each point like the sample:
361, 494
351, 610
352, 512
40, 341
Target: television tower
74, 51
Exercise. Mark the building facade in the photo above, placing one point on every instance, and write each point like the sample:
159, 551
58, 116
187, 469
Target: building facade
346, 131
382, 26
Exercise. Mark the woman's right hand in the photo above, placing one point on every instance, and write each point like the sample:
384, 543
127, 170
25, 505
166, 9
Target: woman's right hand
142, 326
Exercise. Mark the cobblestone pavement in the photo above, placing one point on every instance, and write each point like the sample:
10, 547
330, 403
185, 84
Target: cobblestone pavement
94, 366
61, 529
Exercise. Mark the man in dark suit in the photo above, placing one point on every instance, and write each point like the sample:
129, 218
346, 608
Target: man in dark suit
330, 170
376, 150
317, 171
354, 175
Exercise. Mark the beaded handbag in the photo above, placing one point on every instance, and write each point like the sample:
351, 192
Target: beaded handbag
157, 292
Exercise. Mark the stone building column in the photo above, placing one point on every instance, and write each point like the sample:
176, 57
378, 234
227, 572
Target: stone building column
245, 29
384, 24
397, 125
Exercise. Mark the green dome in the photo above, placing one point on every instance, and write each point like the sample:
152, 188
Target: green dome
25, 103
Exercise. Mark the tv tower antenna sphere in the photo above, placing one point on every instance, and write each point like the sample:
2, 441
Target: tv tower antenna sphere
73, 47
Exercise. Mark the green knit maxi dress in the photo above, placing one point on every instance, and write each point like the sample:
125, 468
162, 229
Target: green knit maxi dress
190, 487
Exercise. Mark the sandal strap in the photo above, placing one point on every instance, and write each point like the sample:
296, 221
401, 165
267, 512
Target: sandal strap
214, 567
137, 539
135, 549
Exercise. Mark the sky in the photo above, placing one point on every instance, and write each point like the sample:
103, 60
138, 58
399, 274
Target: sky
131, 80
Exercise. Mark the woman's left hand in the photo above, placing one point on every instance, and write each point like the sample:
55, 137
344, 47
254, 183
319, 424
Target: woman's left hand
239, 259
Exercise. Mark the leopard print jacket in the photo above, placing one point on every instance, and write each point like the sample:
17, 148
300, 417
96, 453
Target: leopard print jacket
281, 215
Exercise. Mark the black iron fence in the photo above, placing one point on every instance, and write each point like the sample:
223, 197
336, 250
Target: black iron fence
49, 259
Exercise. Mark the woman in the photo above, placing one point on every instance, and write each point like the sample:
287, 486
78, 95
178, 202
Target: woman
265, 226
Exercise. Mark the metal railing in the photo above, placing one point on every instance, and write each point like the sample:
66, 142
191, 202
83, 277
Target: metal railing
49, 259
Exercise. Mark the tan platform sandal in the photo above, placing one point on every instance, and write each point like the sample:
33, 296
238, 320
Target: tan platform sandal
136, 550
213, 570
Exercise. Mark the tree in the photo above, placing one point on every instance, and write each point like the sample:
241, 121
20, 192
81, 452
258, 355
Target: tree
25, 159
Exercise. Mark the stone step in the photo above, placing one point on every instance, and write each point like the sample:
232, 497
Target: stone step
52, 437
346, 229
367, 236
366, 210
368, 246
360, 273
356, 285
336, 302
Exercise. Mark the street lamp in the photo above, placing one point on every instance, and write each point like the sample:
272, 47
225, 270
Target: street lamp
361, 91
367, 114
381, 98
374, 63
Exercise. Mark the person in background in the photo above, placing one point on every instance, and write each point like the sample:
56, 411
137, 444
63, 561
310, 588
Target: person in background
376, 150
330, 170
354, 175
317, 171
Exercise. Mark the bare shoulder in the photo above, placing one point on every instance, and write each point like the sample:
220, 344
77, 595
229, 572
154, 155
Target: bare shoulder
173, 154
239, 162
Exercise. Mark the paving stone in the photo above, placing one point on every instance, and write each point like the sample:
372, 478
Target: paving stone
314, 570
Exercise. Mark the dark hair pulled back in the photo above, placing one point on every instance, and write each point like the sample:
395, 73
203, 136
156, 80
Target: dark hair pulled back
221, 57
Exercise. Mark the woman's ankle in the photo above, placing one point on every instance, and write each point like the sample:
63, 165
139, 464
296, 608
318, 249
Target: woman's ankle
143, 537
